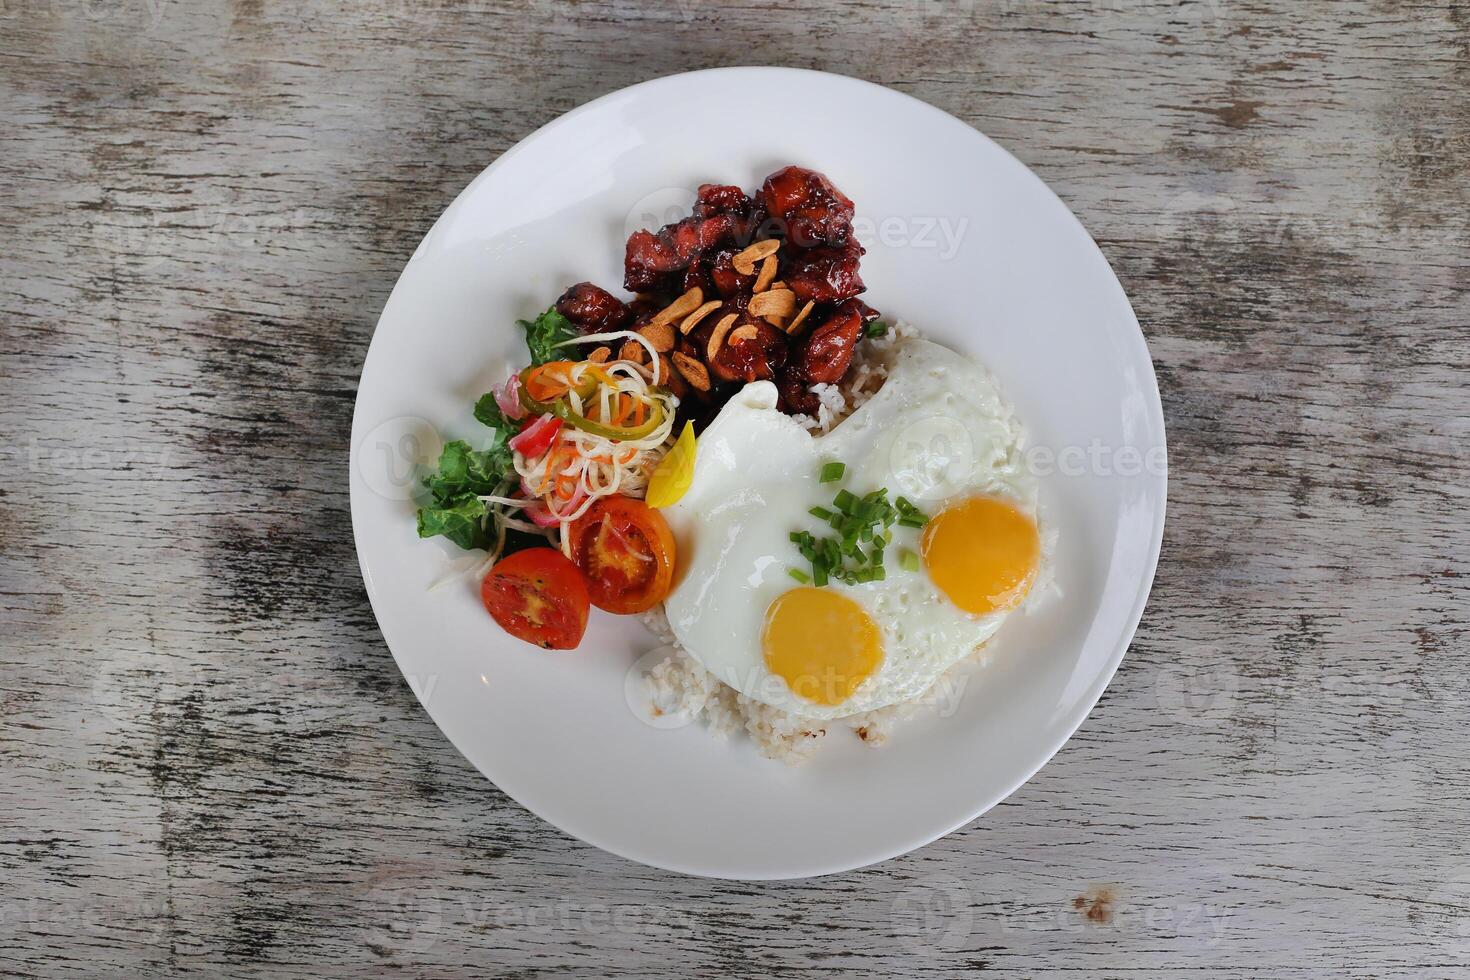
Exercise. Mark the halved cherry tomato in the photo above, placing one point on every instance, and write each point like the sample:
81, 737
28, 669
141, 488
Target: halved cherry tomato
536, 436
537, 595
626, 551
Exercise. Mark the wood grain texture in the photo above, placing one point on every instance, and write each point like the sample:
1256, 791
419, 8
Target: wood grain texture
210, 763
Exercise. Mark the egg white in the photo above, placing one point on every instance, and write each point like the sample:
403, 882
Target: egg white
937, 431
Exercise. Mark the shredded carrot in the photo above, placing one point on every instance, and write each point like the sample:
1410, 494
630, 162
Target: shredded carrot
623, 409
551, 380
553, 463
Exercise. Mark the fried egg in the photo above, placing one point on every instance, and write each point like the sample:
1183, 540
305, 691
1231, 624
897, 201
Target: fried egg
939, 433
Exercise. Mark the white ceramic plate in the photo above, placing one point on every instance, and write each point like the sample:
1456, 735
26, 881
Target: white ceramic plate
965, 243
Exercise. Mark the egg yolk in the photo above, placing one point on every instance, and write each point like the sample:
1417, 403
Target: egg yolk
821, 643
982, 553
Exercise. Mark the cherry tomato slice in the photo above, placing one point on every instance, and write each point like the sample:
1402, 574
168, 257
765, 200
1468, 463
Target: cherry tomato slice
537, 595
626, 551
536, 436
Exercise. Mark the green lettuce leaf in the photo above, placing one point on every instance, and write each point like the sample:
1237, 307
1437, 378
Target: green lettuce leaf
460, 519
544, 332
464, 470
455, 510
487, 410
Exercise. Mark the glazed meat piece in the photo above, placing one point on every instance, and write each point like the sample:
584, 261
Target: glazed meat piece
827, 274
827, 352
751, 220
696, 342
813, 211
795, 390
716, 199
866, 312
697, 275
692, 237
646, 261
749, 359
675, 247
729, 282
593, 309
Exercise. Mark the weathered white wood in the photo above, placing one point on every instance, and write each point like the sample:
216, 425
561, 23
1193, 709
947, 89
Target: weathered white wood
209, 760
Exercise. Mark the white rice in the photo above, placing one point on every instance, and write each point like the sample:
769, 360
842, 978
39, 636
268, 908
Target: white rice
870, 365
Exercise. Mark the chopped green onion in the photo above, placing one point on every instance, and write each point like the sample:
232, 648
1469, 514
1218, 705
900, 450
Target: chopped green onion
862, 527
799, 575
875, 329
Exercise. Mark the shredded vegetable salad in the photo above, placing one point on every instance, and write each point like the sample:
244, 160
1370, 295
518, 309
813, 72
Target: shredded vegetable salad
589, 430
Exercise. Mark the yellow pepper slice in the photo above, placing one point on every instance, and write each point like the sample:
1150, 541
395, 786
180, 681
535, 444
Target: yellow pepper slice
675, 472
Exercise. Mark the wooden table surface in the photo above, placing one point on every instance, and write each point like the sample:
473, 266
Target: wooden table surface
210, 761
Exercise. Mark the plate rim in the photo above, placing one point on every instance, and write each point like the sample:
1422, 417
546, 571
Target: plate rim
1155, 409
